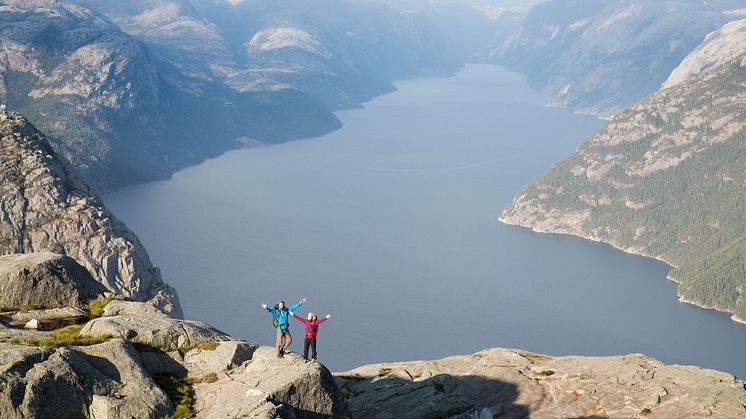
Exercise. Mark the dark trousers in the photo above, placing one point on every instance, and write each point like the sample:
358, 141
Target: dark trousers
312, 343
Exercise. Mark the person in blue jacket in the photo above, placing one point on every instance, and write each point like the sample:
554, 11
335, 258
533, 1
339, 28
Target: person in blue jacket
280, 314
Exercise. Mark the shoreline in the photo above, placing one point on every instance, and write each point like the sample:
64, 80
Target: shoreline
254, 143
679, 297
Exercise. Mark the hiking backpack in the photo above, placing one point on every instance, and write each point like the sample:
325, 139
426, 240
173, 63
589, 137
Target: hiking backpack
275, 323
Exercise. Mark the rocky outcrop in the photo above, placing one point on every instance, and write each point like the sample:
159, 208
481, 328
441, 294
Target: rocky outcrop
225, 355
45, 207
137, 395
267, 386
225, 377
45, 280
159, 331
516, 384
119, 307
718, 48
100, 381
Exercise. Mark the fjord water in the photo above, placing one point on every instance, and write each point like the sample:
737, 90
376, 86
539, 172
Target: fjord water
390, 224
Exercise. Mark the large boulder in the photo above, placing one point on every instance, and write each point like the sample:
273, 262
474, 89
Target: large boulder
266, 386
158, 332
137, 396
44, 383
220, 357
99, 381
512, 383
45, 280
119, 307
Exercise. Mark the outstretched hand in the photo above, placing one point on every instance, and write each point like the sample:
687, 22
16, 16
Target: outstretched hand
302, 300
328, 316
264, 306
291, 313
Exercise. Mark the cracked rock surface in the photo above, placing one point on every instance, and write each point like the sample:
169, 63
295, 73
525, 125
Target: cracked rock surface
513, 383
99, 381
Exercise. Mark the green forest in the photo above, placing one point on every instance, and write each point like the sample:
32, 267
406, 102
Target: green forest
692, 213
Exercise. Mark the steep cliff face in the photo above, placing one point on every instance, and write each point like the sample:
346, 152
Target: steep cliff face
601, 56
666, 179
44, 206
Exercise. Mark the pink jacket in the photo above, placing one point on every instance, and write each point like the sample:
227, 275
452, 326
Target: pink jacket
312, 326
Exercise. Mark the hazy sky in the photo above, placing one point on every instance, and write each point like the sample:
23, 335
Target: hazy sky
508, 4
512, 4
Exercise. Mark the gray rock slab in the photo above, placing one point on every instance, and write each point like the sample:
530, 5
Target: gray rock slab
160, 332
45, 280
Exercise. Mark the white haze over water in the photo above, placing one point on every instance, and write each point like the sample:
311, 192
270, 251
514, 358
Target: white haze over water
390, 224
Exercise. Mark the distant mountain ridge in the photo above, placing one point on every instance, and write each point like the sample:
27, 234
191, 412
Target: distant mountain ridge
170, 83
600, 57
665, 179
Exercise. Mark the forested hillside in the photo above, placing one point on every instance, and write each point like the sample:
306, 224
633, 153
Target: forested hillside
665, 178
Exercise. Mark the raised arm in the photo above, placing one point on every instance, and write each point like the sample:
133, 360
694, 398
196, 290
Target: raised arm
323, 319
297, 306
299, 318
266, 307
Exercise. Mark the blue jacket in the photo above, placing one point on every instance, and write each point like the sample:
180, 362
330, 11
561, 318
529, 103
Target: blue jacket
282, 315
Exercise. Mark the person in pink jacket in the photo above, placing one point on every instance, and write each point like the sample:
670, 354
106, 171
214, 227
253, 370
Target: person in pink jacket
312, 329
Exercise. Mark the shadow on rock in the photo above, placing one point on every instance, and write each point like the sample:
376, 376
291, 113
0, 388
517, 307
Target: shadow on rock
440, 396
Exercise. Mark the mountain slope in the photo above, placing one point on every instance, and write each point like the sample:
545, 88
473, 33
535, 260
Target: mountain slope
82, 80
718, 47
342, 52
665, 179
45, 207
601, 56
131, 91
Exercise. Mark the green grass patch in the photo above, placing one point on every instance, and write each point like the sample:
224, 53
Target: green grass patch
66, 336
96, 307
544, 373
47, 343
179, 390
207, 346
70, 336
209, 378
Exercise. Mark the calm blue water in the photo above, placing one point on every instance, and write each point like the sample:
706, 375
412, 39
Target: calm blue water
390, 224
